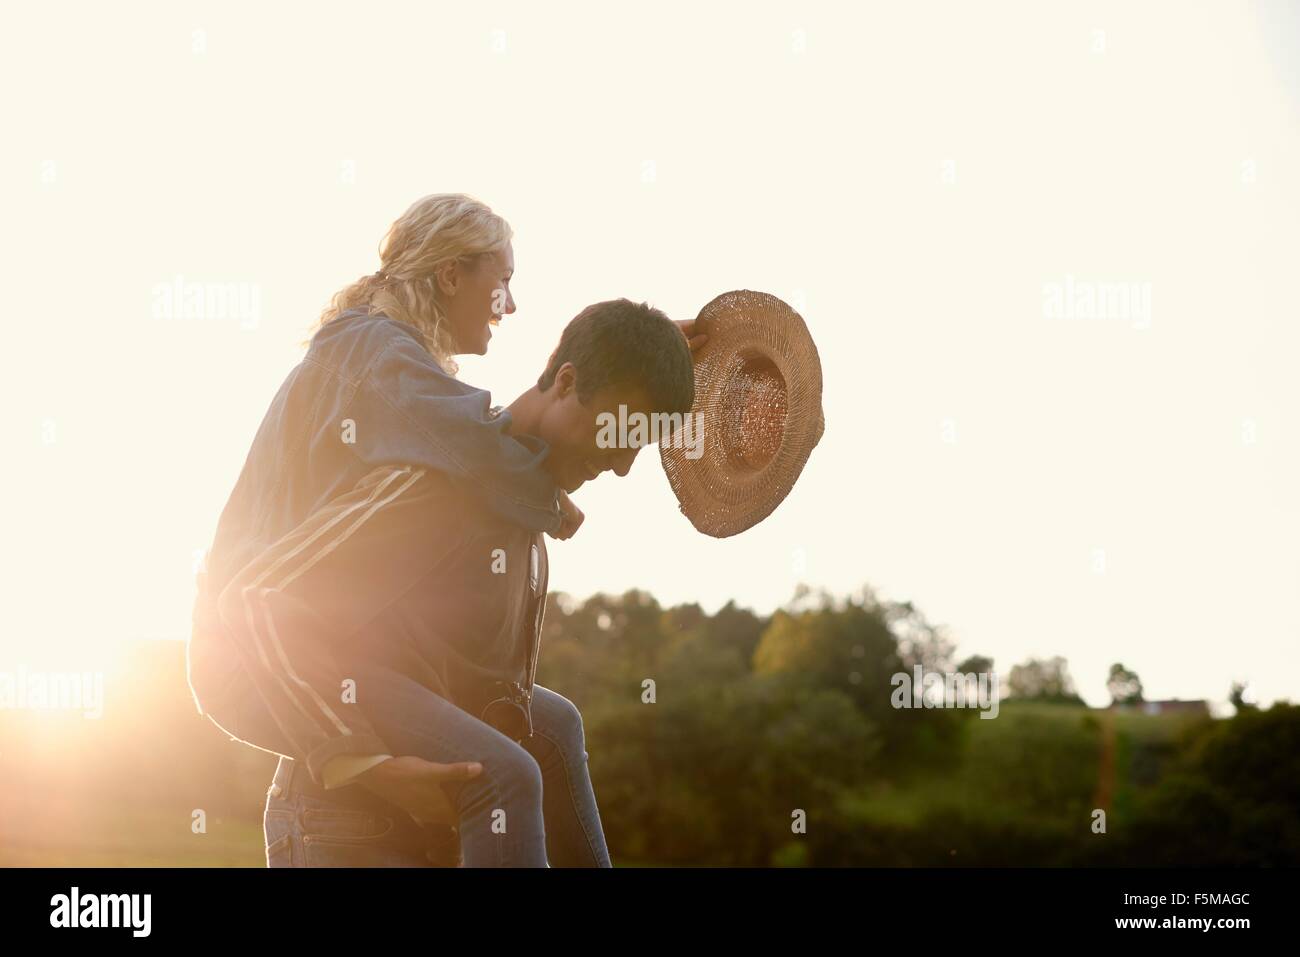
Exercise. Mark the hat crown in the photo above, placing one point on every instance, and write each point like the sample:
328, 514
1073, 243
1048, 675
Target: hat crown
758, 387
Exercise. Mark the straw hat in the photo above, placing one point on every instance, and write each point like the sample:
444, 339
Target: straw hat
758, 385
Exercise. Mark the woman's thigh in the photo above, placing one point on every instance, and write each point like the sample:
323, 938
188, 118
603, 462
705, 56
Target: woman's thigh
500, 810
408, 716
505, 799
414, 720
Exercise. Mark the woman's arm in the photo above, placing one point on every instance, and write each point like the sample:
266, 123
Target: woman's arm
407, 410
287, 609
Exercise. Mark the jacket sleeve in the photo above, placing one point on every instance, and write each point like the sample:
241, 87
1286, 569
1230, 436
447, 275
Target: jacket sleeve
407, 410
342, 768
292, 608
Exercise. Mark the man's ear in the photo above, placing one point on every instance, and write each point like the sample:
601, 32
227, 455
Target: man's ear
566, 380
447, 276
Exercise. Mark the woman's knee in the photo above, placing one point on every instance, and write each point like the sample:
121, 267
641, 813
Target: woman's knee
510, 776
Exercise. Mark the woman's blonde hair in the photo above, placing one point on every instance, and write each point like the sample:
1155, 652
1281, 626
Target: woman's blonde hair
434, 230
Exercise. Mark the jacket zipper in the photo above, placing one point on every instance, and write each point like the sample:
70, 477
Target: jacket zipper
539, 615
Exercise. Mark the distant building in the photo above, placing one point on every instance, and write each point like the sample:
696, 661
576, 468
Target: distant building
1171, 706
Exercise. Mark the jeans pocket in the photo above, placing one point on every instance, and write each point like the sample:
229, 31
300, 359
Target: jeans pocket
346, 837
344, 824
278, 827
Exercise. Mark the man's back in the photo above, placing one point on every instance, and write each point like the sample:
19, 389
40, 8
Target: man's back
470, 608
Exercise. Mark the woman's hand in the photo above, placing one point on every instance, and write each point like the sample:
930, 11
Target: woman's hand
415, 785
571, 518
688, 330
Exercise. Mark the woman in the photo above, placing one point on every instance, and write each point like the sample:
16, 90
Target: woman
376, 388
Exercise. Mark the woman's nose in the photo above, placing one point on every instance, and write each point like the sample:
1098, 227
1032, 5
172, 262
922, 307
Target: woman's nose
510, 302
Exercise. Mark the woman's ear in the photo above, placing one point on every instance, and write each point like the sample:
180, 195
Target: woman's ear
446, 277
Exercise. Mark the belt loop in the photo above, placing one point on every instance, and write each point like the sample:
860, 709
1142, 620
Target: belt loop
282, 783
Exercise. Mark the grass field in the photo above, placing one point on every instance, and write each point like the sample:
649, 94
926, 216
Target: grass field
1026, 782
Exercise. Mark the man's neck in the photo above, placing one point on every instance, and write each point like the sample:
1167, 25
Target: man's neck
526, 413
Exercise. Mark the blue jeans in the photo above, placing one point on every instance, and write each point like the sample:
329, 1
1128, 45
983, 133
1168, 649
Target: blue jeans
347, 827
531, 806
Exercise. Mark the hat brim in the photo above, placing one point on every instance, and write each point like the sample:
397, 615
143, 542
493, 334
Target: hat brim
758, 392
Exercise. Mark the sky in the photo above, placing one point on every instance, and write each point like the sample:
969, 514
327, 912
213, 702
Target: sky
1047, 252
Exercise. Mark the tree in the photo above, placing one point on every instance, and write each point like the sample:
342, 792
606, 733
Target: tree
1238, 697
855, 647
1043, 680
976, 664
1125, 686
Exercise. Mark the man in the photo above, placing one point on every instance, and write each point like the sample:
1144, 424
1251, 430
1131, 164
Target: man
409, 584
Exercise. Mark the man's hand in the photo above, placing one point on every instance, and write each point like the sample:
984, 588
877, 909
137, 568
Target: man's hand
688, 330
415, 785
571, 518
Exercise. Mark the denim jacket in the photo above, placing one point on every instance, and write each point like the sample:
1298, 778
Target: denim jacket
366, 395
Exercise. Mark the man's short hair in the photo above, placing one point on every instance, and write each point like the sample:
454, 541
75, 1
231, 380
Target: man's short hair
624, 343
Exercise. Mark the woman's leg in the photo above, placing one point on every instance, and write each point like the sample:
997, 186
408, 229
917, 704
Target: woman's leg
501, 813
574, 837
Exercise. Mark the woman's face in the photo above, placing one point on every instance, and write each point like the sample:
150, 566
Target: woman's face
476, 298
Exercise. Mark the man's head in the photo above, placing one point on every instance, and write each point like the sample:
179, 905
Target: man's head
615, 353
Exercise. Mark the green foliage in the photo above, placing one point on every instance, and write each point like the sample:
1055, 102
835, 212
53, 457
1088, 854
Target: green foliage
1047, 681
1237, 695
1230, 796
1125, 686
756, 723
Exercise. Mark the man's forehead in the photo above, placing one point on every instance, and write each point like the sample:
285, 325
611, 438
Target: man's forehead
611, 398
